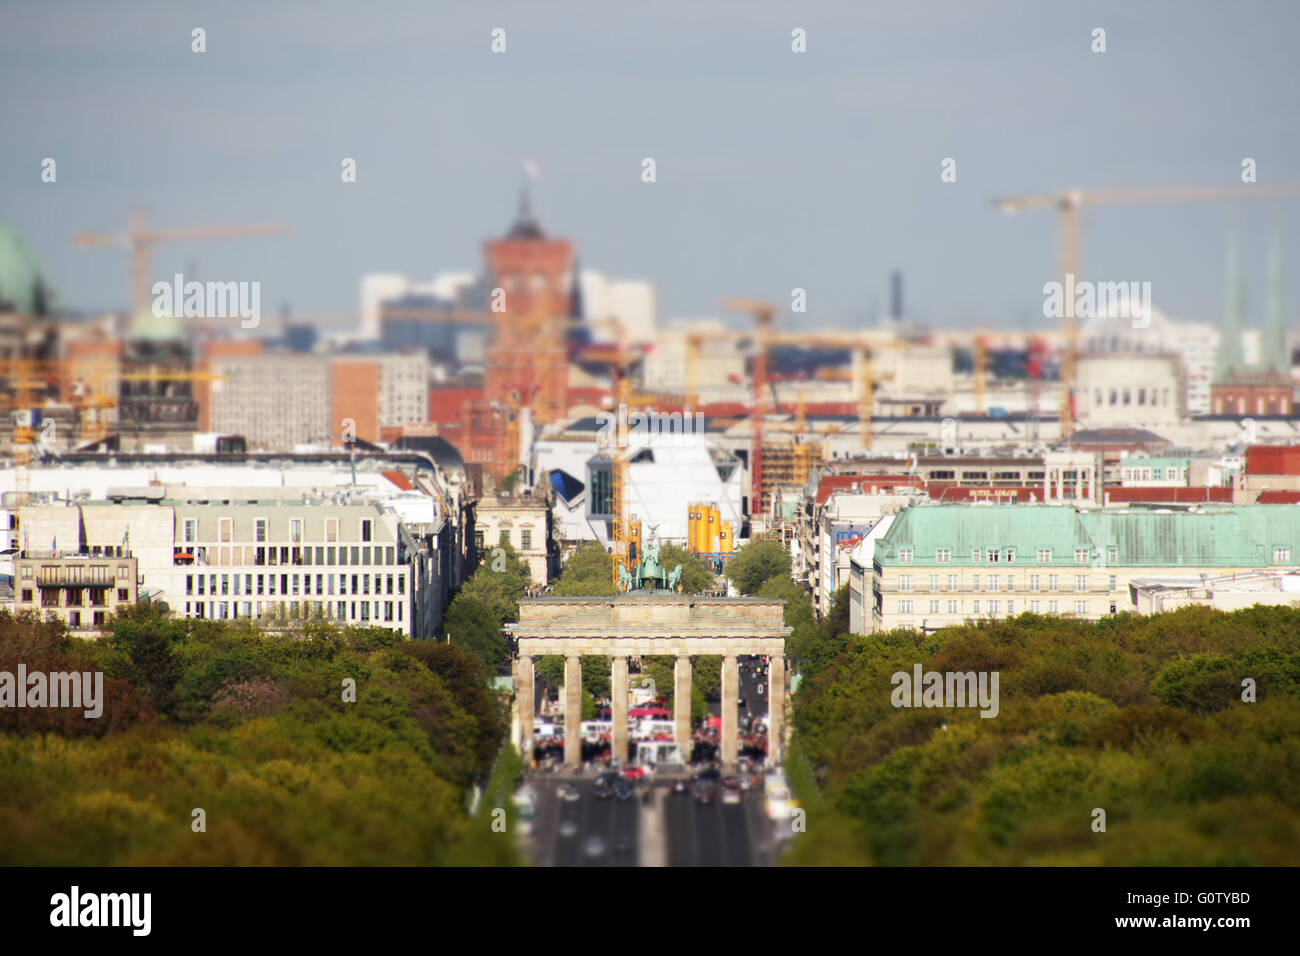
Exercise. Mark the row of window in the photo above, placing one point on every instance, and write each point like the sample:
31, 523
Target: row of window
1154, 474
61, 573
944, 474
356, 555
1281, 555
290, 583
994, 582
525, 539
992, 607
72, 597
261, 527
362, 611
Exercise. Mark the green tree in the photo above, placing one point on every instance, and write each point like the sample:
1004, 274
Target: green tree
588, 573
475, 628
148, 638
757, 562
499, 582
696, 576
797, 614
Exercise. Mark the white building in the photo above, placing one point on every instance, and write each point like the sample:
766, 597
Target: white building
666, 473
630, 301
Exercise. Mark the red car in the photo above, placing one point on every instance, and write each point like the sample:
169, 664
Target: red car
634, 773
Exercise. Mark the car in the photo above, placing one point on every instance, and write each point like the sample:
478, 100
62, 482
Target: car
608, 777
634, 773
709, 773
624, 790
732, 790
568, 828
705, 791
570, 793
595, 846
681, 785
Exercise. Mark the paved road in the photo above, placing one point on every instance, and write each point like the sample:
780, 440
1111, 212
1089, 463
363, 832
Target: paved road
717, 834
694, 834
616, 822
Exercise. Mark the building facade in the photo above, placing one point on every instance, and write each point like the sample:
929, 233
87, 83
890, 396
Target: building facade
940, 565
81, 590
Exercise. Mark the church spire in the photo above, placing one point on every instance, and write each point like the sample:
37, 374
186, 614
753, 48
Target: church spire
1274, 354
1230, 356
525, 225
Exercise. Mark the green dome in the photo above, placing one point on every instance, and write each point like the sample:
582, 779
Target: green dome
22, 288
145, 326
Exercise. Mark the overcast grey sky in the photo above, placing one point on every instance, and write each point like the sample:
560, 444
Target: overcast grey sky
775, 170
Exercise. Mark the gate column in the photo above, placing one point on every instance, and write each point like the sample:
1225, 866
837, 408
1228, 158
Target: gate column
776, 710
682, 705
524, 684
618, 690
730, 710
573, 711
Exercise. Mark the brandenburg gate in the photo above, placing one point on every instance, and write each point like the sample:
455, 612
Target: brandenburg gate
645, 623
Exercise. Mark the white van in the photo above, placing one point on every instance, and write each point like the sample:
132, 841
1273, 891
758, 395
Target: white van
777, 799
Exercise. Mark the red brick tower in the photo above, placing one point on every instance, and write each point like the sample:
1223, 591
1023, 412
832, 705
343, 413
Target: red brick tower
527, 364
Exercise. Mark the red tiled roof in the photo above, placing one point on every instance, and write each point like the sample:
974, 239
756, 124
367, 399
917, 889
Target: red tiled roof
1279, 497
884, 484
400, 480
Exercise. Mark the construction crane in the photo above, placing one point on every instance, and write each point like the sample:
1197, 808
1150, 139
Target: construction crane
141, 239
1070, 205
764, 314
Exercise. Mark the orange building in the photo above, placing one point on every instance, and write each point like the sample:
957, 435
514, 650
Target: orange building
354, 394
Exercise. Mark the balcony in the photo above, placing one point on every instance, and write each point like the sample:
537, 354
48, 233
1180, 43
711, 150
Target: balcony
72, 575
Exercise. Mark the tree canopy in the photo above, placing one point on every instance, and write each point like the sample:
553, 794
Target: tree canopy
1183, 727
757, 562
259, 731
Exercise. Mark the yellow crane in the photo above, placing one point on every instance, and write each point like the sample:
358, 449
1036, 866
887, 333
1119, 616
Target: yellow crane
1070, 205
141, 239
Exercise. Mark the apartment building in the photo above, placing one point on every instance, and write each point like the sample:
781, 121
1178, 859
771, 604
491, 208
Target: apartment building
278, 401
81, 590
275, 401
232, 554
278, 559
940, 565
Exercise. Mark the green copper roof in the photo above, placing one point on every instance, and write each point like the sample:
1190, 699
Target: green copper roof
22, 287
1244, 536
156, 328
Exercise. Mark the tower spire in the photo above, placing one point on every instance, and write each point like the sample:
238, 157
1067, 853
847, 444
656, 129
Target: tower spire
1230, 356
525, 225
1274, 354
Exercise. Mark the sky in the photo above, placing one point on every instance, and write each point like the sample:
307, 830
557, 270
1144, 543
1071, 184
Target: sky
775, 170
